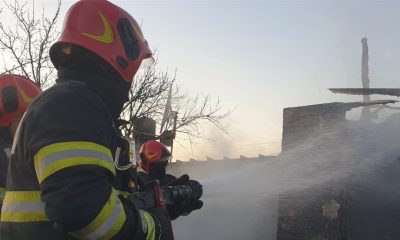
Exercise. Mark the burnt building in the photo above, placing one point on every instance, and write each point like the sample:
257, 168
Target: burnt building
304, 123
320, 212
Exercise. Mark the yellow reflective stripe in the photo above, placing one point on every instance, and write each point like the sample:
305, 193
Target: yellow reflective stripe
22, 196
107, 223
23, 217
151, 232
117, 226
57, 147
58, 156
23, 206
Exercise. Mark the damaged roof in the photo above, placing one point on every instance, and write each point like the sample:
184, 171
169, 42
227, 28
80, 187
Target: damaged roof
339, 106
367, 91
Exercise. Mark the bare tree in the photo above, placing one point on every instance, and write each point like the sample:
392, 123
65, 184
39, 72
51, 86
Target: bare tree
149, 95
25, 46
194, 112
25, 49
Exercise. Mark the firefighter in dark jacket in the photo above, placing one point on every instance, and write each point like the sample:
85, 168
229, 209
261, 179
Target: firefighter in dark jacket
16, 93
154, 158
61, 180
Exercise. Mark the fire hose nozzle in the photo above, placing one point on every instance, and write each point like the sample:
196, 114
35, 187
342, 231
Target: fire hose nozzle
171, 195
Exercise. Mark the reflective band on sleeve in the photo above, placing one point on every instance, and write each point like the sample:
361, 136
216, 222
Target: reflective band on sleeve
23, 206
107, 223
148, 225
58, 156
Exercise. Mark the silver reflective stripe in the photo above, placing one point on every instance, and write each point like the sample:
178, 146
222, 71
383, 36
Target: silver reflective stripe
108, 224
75, 153
37, 206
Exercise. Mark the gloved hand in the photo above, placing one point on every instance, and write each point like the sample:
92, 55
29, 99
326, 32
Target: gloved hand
182, 180
186, 206
197, 189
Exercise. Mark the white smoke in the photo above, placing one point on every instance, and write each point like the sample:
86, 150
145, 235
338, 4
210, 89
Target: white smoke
242, 202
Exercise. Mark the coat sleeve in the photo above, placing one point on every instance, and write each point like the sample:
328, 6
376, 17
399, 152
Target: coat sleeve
3, 173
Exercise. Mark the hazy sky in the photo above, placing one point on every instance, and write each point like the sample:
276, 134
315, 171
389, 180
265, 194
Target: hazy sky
261, 57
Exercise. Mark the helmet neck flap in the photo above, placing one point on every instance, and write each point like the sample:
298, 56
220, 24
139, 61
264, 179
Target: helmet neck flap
100, 77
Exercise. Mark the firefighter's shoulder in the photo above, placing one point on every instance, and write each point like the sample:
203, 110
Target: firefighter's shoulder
67, 112
70, 98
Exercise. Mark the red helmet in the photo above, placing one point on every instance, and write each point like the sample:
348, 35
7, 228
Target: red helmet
16, 93
153, 152
106, 30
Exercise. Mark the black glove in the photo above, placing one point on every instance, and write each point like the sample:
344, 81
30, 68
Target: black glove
186, 206
182, 180
197, 189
